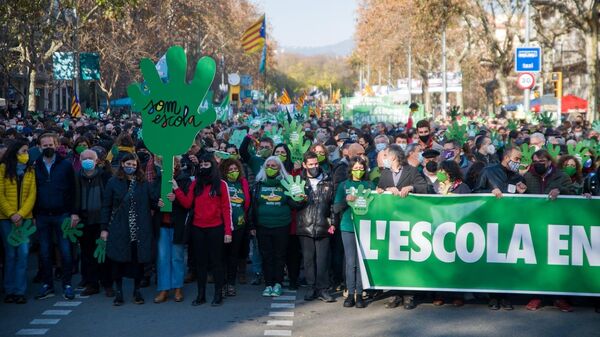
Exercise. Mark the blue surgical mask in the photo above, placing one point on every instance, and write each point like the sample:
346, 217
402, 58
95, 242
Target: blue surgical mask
380, 147
421, 158
129, 170
88, 164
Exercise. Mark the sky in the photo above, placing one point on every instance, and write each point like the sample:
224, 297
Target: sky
310, 23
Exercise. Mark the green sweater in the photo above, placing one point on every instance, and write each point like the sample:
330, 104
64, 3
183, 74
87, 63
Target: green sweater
273, 205
346, 223
237, 198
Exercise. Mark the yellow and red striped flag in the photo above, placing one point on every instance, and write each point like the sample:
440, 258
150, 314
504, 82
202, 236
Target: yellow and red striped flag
75, 107
285, 98
254, 37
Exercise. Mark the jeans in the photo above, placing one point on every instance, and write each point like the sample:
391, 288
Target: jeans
15, 263
315, 252
353, 278
170, 266
46, 225
255, 258
273, 245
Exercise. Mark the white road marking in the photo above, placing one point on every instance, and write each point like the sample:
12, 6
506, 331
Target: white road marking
283, 305
32, 332
284, 298
56, 312
67, 304
278, 322
44, 321
278, 332
281, 314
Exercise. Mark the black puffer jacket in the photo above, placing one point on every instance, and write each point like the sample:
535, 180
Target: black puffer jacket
591, 184
314, 217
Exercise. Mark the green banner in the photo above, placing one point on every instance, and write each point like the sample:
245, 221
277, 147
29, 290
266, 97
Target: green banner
363, 110
477, 243
89, 64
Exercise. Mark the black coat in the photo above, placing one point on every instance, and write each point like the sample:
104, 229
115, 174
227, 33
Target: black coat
410, 176
314, 216
179, 214
496, 176
115, 219
90, 214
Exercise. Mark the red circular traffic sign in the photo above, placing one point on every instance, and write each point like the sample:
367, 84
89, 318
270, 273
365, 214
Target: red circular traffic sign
525, 81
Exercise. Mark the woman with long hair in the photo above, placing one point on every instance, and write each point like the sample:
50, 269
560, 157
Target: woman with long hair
126, 224
17, 198
208, 197
239, 196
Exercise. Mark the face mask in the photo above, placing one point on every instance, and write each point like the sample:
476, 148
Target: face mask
491, 149
48, 152
314, 171
354, 137
129, 170
578, 134
19, 128
358, 174
380, 147
442, 176
570, 170
265, 153
233, 176
283, 158
204, 171
387, 163
80, 148
448, 154
539, 168
420, 158
513, 166
88, 164
271, 172
321, 158
23, 158
403, 146
424, 139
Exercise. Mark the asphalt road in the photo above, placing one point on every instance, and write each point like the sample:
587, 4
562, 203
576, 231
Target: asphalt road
250, 314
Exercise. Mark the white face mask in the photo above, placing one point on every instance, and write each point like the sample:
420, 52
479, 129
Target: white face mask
491, 149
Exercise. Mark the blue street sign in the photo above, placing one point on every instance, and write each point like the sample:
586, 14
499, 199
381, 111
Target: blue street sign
528, 59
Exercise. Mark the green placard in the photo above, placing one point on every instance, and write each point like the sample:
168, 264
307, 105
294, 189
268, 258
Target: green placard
172, 112
478, 243
89, 65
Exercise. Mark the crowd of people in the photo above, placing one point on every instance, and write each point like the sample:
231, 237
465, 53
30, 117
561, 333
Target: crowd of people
230, 207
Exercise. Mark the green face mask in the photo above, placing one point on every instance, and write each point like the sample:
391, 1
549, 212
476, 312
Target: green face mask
233, 176
265, 153
321, 158
271, 172
235, 156
282, 157
80, 148
442, 176
570, 170
358, 174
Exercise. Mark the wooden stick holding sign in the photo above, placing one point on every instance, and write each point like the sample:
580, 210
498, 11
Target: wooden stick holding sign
172, 112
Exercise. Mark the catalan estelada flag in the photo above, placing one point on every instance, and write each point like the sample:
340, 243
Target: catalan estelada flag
254, 37
75, 107
285, 98
300, 100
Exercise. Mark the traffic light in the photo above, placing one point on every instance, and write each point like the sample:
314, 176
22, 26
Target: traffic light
557, 82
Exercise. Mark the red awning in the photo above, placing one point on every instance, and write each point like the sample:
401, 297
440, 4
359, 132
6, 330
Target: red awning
573, 103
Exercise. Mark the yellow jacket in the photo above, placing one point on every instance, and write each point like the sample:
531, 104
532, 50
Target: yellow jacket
8, 194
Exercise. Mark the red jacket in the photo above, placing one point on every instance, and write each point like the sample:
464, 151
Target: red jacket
209, 211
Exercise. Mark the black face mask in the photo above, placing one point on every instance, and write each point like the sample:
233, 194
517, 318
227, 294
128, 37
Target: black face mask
539, 168
425, 139
204, 172
48, 152
314, 172
431, 166
144, 157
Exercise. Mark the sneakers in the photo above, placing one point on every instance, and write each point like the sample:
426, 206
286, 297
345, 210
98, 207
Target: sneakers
230, 290
267, 292
325, 296
534, 304
90, 290
563, 305
118, 301
45, 292
68, 293
277, 291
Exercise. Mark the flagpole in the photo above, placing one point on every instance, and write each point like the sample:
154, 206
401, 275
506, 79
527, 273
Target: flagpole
265, 79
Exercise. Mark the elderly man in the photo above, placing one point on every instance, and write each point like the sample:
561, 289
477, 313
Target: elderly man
89, 184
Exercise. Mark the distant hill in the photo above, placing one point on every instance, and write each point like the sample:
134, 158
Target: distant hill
343, 48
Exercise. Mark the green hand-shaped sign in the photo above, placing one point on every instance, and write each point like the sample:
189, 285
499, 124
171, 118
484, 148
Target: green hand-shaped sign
596, 125
298, 150
276, 134
100, 252
512, 125
579, 151
293, 132
238, 137
527, 151
71, 233
171, 112
294, 186
457, 132
553, 150
20, 235
360, 206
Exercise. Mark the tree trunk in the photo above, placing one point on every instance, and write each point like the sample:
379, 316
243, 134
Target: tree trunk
31, 99
426, 98
591, 51
502, 86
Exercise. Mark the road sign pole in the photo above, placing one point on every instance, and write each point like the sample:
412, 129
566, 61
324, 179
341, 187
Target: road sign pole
526, 91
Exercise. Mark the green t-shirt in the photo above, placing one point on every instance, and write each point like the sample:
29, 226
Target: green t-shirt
346, 224
237, 199
273, 208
